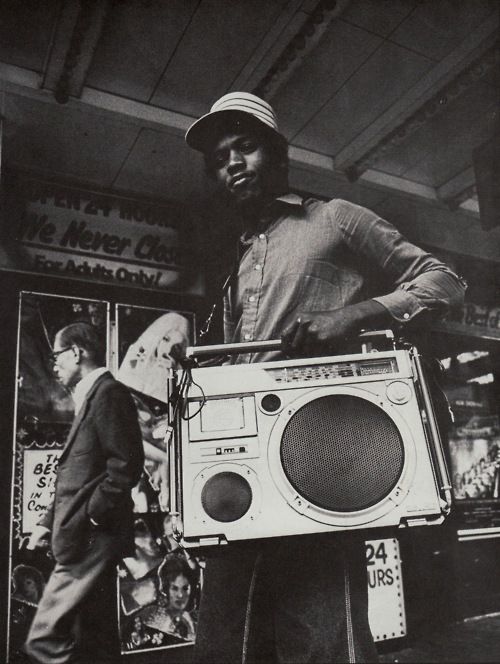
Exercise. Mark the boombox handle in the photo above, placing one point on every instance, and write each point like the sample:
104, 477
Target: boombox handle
171, 441
442, 468
193, 352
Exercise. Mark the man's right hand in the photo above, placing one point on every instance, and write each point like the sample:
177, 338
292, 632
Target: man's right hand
39, 538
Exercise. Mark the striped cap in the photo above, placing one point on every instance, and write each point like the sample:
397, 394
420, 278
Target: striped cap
227, 109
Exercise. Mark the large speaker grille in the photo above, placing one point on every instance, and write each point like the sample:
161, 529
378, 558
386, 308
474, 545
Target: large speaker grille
342, 453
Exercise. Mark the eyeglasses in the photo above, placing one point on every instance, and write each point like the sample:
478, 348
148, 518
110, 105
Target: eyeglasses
56, 353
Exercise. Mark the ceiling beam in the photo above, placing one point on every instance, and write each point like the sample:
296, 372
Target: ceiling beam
401, 185
456, 185
289, 21
21, 79
457, 190
79, 28
433, 107
470, 205
314, 160
406, 112
302, 43
26, 83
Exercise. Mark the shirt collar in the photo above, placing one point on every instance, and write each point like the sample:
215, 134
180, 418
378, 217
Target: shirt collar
277, 207
291, 199
82, 388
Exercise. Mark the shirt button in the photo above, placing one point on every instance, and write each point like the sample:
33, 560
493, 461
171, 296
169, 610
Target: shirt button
406, 316
251, 298
262, 236
248, 337
258, 267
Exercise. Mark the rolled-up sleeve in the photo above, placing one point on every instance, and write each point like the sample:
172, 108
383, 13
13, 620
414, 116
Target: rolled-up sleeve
422, 283
436, 291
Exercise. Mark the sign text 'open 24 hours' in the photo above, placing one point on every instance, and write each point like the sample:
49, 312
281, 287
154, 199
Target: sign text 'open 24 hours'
74, 233
386, 610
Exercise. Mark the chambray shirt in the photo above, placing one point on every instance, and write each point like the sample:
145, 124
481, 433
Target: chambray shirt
312, 255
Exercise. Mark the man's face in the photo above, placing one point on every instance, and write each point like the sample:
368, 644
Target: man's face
66, 364
243, 168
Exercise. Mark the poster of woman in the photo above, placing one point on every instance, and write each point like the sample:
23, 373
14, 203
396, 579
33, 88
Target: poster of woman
150, 344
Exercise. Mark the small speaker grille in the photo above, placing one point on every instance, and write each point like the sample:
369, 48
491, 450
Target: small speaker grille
226, 497
342, 453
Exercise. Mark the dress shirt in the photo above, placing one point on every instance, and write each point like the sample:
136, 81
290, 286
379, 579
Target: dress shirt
310, 255
83, 386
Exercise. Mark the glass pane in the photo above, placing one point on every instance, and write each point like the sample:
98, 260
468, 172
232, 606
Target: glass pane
471, 385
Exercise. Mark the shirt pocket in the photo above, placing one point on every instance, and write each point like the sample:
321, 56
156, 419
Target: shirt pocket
320, 286
314, 286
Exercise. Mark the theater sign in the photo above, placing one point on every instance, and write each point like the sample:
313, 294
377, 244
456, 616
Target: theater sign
474, 320
70, 232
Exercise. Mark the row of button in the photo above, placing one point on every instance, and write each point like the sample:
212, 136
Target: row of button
257, 266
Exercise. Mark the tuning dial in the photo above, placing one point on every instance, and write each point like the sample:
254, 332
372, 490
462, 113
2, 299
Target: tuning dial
398, 392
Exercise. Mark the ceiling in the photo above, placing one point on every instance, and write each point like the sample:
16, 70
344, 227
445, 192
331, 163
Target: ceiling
382, 100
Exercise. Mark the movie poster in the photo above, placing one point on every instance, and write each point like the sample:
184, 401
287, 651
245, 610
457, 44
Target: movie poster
150, 343
44, 412
159, 587
475, 459
474, 443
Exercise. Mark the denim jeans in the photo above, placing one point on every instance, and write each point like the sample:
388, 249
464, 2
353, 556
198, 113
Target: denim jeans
292, 600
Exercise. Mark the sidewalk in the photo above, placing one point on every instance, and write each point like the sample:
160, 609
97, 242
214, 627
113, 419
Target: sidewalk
472, 640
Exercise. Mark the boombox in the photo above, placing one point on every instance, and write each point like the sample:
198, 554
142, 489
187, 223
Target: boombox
307, 446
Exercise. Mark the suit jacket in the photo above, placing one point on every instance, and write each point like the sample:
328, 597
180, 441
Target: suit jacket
102, 460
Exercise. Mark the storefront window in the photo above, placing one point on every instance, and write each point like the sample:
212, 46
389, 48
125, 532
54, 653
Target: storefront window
472, 387
158, 588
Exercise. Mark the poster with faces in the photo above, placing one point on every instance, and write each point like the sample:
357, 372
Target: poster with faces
158, 589
159, 586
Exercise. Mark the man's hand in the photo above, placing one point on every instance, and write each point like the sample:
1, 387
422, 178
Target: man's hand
313, 332
39, 538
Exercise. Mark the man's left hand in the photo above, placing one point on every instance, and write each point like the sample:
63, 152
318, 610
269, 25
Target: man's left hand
313, 332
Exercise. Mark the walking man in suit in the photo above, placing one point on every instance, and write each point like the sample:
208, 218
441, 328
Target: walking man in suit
90, 521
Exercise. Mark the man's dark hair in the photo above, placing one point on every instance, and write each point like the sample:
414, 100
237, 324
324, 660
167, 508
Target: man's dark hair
85, 336
273, 142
